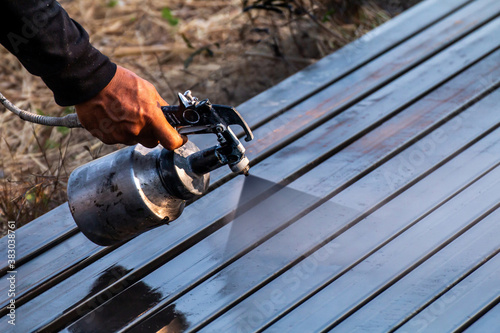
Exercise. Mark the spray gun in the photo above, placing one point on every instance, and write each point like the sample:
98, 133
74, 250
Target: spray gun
123, 194
192, 116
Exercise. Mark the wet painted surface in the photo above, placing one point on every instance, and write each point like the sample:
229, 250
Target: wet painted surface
372, 203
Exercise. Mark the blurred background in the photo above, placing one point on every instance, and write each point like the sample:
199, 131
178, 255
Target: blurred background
224, 50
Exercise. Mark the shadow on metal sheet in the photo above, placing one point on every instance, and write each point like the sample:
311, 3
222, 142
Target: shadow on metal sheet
262, 204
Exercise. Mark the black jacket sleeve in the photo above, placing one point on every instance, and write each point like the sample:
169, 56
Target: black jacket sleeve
51, 45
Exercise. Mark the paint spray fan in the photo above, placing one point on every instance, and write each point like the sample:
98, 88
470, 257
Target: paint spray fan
130, 191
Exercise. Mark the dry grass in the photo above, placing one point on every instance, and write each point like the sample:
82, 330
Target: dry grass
209, 46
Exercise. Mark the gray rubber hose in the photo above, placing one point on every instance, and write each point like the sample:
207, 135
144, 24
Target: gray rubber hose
70, 121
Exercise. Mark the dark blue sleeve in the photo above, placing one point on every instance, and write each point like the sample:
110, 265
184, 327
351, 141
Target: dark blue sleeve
51, 45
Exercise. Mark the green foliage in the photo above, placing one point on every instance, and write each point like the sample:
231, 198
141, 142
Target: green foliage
49, 144
112, 3
167, 15
68, 110
63, 130
30, 196
328, 15
36, 196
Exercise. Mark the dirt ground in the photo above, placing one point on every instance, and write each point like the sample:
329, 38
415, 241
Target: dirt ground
213, 47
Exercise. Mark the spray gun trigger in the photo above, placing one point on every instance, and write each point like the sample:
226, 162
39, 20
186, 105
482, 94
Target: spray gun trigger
193, 130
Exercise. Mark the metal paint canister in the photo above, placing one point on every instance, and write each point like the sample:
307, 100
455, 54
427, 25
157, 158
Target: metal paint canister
132, 190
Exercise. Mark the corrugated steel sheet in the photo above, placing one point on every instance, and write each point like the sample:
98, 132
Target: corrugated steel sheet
372, 206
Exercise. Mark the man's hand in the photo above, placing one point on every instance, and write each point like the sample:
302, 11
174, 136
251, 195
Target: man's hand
128, 111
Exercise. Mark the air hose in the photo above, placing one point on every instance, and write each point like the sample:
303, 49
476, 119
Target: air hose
70, 120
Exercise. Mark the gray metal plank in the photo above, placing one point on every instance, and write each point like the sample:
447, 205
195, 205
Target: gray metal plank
463, 301
340, 297
431, 279
47, 266
43, 233
490, 321
138, 259
198, 303
279, 98
250, 314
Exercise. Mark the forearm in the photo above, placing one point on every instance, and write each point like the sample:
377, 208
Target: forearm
51, 45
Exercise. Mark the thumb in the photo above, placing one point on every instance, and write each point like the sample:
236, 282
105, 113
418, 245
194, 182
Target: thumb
167, 135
